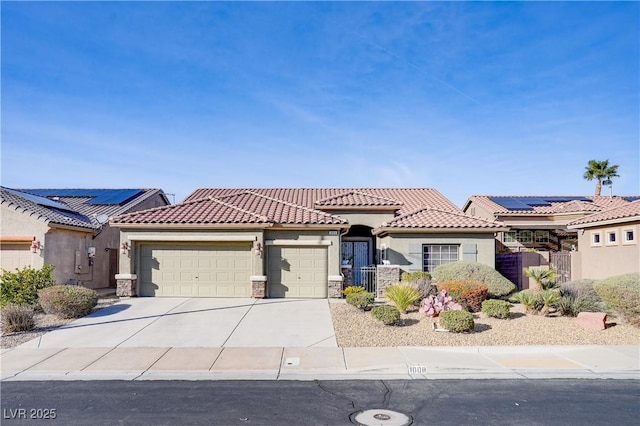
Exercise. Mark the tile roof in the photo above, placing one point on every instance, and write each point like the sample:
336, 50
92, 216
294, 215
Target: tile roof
411, 198
356, 199
71, 211
428, 218
573, 204
303, 206
629, 211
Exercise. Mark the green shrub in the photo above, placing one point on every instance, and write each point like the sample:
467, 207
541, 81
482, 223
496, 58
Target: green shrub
360, 300
469, 294
17, 318
421, 281
496, 308
578, 296
21, 286
498, 285
385, 313
548, 298
402, 296
621, 296
353, 289
68, 301
456, 321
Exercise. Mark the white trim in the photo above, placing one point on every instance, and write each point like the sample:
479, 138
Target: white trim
624, 236
335, 278
258, 278
297, 243
191, 237
608, 241
126, 277
592, 242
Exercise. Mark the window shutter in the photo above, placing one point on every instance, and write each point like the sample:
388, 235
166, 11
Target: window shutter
415, 257
470, 252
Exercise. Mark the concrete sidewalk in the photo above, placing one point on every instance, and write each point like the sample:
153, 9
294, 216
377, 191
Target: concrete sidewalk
322, 363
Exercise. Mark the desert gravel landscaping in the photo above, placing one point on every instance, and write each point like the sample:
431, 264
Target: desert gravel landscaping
357, 328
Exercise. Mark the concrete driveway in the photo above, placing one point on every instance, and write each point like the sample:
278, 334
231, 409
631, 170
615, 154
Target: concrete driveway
201, 322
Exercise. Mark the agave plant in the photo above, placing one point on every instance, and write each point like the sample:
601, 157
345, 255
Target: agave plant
528, 298
433, 305
402, 296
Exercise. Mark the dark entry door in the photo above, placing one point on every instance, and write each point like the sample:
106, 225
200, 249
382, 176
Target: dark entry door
359, 254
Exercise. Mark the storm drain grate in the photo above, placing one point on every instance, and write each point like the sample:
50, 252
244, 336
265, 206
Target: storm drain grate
380, 417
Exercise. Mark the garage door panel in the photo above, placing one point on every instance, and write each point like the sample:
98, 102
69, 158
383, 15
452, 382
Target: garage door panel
216, 270
297, 272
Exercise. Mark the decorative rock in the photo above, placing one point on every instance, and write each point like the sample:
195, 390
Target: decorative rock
592, 320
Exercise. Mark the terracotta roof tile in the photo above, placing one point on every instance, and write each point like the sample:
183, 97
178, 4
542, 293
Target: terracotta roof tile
356, 199
427, 218
628, 211
583, 204
411, 198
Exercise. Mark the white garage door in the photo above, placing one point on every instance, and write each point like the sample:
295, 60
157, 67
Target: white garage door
211, 270
297, 272
15, 256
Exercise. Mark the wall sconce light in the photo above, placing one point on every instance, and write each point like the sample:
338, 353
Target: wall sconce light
124, 248
35, 245
258, 249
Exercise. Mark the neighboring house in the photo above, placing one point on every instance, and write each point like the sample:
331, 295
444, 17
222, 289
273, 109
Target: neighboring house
539, 222
294, 242
68, 228
608, 242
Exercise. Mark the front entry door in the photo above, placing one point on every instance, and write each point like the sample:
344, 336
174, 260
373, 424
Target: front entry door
359, 254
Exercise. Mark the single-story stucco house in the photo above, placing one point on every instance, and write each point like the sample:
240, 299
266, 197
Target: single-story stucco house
294, 242
539, 222
69, 229
608, 243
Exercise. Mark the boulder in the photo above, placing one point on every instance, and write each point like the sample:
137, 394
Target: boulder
592, 320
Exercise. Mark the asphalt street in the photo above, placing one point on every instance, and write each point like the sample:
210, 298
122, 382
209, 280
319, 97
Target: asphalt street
441, 402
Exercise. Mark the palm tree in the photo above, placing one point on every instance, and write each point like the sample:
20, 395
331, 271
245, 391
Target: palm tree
543, 277
600, 170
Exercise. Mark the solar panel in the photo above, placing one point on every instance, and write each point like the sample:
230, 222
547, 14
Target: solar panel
534, 201
98, 196
42, 201
510, 203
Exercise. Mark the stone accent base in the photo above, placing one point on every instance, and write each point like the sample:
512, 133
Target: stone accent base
258, 286
126, 285
386, 275
335, 286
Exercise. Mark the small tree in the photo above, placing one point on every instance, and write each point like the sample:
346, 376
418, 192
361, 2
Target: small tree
600, 170
543, 277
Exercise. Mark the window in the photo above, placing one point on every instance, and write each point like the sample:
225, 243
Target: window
436, 255
595, 239
526, 237
629, 236
611, 237
542, 236
510, 237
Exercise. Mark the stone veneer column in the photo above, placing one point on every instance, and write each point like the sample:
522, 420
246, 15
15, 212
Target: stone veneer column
126, 285
258, 286
386, 275
335, 286
347, 273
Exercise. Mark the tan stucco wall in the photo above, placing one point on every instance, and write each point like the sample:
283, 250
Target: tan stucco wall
607, 260
398, 246
476, 210
370, 219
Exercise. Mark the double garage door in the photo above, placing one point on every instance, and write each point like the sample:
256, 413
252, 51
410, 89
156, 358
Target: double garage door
208, 270
224, 270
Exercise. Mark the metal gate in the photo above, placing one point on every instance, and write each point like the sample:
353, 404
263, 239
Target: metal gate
368, 279
561, 262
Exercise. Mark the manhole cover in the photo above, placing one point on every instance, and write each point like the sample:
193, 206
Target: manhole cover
380, 417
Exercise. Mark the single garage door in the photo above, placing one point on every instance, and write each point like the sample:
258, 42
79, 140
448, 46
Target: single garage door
15, 256
297, 272
208, 270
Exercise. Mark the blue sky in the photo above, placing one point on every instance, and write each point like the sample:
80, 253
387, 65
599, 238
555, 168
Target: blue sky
469, 98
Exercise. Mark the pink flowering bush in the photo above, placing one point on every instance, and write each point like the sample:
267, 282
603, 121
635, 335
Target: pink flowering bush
433, 305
